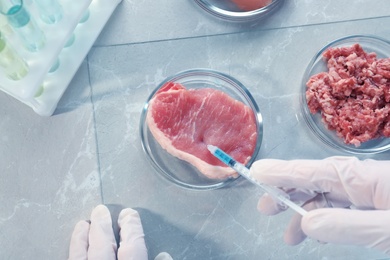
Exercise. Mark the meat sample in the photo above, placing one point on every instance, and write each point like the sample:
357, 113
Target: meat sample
250, 5
353, 97
184, 121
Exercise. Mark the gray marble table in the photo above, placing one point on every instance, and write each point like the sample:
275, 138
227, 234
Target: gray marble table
55, 170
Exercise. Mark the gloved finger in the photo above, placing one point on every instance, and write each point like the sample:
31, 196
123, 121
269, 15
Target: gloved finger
351, 227
78, 248
294, 233
132, 243
163, 256
102, 244
269, 206
295, 174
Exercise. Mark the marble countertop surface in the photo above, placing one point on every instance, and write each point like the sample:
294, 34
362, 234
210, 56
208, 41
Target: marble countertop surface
55, 170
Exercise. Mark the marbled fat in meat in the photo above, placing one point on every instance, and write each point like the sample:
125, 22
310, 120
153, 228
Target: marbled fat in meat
184, 121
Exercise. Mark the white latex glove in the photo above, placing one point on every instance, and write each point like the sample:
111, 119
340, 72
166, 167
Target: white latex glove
96, 240
132, 244
359, 191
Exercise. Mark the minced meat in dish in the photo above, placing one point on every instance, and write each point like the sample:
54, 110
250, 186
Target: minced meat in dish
353, 97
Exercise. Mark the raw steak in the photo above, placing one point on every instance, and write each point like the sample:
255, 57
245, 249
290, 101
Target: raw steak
184, 121
353, 97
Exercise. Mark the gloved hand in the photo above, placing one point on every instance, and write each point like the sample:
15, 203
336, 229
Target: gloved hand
95, 239
358, 192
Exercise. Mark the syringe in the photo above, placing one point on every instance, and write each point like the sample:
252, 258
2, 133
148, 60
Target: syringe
282, 197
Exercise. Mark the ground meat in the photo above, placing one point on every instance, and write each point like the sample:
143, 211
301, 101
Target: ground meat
353, 97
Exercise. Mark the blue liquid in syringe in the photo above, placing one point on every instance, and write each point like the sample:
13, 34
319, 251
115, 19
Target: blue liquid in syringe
224, 158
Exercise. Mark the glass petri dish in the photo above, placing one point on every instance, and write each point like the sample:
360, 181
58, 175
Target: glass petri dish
176, 170
314, 121
230, 11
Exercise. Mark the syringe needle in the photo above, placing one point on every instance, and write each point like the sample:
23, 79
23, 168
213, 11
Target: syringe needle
278, 194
